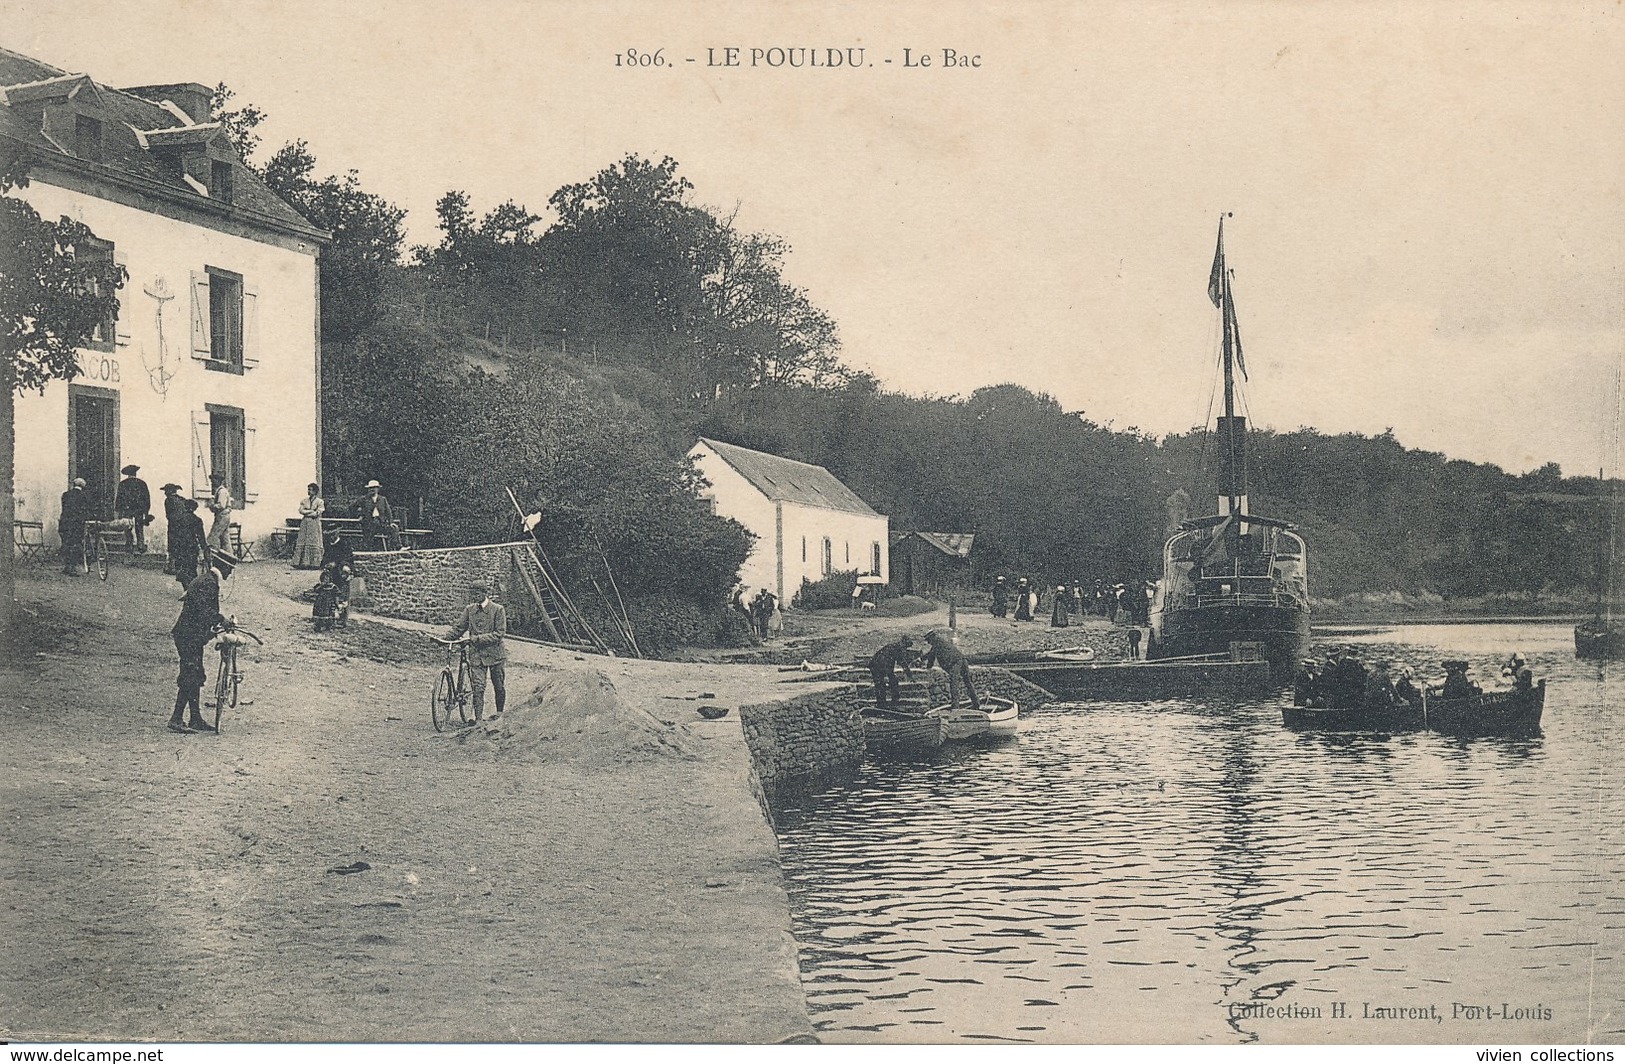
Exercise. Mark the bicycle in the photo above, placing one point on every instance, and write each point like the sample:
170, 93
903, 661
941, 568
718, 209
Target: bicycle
94, 547
451, 687
229, 678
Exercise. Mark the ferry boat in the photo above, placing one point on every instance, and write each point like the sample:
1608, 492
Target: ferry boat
1234, 576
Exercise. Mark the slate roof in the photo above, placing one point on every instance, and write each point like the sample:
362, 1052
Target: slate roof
957, 544
130, 123
785, 480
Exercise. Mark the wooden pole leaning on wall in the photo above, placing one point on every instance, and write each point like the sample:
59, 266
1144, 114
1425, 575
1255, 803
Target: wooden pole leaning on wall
567, 608
530, 585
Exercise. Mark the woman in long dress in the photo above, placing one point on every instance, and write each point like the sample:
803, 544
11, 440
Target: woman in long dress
307, 552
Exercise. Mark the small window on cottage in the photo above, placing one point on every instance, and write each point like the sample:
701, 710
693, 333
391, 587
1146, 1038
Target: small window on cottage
220, 181
225, 316
87, 135
874, 557
829, 556
98, 254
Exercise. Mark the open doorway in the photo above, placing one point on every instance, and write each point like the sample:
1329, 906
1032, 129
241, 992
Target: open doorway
93, 444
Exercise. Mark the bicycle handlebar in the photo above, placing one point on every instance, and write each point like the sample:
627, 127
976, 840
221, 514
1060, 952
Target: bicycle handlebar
237, 631
459, 641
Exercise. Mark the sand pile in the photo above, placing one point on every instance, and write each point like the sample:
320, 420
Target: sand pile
579, 716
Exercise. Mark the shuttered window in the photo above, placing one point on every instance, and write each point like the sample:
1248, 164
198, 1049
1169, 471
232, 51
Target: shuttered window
225, 320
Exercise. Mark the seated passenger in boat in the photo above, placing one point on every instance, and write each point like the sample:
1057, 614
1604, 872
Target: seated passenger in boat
1517, 670
1406, 687
1456, 683
1344, 681
1307, 685
1379, 689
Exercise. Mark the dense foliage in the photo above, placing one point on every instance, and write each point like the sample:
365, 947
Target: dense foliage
575, 359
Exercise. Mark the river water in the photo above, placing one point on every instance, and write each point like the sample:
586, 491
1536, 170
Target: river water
1190, 871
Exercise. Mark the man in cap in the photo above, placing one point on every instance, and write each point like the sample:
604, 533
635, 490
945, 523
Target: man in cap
377, 519
485, 623
132, 500
174, 513
71, 525
199, 620
1001, 597
883, 669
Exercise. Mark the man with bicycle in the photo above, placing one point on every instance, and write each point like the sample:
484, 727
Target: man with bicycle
200, 619
485, 623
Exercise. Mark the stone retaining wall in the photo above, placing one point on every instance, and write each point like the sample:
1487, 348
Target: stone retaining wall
805, 742
432, 585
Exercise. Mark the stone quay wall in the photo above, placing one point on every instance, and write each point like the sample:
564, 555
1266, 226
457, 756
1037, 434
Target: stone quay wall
805, 742
432, 585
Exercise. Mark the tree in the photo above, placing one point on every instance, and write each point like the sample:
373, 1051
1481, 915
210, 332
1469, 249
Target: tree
629, 257
238, 123
53, 298
367, 238
764, 330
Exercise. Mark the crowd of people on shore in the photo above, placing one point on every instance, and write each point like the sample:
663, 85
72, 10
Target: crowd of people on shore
1024, 601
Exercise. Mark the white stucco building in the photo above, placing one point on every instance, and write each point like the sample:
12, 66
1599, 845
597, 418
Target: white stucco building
807, 523
212, 362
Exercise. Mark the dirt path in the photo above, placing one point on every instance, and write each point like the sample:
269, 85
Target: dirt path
180, 888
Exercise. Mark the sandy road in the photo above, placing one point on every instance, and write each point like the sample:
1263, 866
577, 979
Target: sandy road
179, 888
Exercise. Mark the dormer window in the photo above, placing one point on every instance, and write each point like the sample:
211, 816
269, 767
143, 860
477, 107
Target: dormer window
220, 181
87, 138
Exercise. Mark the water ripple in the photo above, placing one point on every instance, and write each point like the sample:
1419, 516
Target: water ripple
1144, 872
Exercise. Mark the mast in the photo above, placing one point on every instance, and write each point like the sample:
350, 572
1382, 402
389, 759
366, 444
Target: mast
1232, 429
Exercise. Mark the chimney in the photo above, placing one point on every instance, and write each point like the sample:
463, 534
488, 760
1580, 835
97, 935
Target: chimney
189, 96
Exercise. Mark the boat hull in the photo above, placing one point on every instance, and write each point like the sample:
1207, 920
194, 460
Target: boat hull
1492, 713
1599, 640
1505, 713
902, 736
995, 721
1282, 632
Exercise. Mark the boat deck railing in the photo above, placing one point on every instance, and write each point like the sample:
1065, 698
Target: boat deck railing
1236, 598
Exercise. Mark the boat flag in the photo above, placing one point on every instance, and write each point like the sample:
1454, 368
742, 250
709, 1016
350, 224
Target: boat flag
1215, 277
1235, 335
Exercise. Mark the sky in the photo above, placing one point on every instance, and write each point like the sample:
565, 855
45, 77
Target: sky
1426, 201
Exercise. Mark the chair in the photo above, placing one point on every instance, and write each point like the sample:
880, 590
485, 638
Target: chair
243, 550
28, 537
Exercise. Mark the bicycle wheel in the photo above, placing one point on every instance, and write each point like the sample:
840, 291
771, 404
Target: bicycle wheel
222, 688
462, 690
101, 558
441, 701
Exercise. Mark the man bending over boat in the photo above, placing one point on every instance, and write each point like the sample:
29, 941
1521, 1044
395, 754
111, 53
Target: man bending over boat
943, 652
883, 668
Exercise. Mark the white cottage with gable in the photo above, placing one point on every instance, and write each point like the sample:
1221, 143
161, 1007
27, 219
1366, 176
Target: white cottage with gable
807, 523
212, 362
